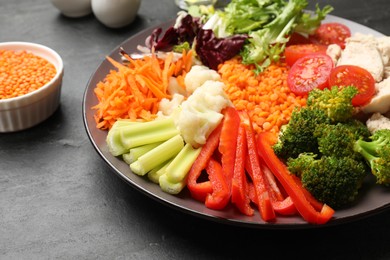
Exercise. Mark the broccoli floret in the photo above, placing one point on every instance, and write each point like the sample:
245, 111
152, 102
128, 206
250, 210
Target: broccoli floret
332, 180
335, 102
339, 139
297, 136
377, 154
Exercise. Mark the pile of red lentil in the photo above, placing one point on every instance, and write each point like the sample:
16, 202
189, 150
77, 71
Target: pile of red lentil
22, 72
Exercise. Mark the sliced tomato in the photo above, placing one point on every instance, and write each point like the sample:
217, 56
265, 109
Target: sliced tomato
297, 38
347, 75
331, 33
309, 72
294, 52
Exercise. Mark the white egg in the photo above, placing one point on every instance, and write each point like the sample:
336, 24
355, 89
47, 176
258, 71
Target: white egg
115, 13
73, 8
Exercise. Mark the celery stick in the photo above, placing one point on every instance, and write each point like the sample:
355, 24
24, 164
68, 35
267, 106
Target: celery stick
169, 187
114, 143
148, 132
155, 173
113, 139
158, 155
181, 164
138, 151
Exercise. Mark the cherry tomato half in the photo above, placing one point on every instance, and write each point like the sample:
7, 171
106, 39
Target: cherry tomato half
331, 33
297, 38
309, 72
347, 75
294, 52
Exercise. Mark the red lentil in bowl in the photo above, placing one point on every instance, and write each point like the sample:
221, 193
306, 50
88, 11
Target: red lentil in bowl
30, 84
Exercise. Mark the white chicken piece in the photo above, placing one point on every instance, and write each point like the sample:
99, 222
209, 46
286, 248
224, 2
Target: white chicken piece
377, 121
365, 55
381, 101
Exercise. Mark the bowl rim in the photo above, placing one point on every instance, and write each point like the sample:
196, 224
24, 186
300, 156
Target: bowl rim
29, 47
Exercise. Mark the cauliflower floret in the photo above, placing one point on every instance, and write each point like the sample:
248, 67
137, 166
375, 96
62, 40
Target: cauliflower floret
381, 101
377, 121
201, 112
198, 75
167, 107
334, 51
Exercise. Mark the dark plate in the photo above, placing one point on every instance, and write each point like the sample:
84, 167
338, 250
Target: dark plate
373, 198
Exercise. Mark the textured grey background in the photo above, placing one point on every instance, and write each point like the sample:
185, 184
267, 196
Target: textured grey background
59, 200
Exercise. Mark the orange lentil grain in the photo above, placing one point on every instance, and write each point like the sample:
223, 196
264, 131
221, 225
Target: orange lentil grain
265, 96
22, 72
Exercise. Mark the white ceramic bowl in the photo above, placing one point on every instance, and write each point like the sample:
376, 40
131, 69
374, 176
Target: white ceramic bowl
28, 110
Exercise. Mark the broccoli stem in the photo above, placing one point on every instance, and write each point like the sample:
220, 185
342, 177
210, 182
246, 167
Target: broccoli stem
367, 150
137, 152
157, 155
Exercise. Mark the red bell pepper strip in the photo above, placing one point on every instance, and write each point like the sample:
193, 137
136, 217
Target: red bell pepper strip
228, 142
264, 202
313, 201
199, 190
240, 188
281, 205
279, 169
220, 196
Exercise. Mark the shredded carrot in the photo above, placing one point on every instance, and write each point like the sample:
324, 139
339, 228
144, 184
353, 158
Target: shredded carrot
133, 91
266, 96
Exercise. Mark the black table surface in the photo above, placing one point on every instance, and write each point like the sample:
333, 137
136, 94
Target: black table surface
60, 200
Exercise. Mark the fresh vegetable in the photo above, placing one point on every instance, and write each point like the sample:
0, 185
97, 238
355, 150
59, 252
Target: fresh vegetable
309, 72
298, 135
318, 146
138, 151
125, 135
377, 154
256, 30
297, 39
174, 177
331, 33
184, 31
134, 91
220, 196
228, 143
334, 180
297, 193
200, 189
158, 155
240, 186
324, 107
350, 75
201, 113
268, 25
293, 53
213, 51
197, 76
335, 102
339, 139
265, 96
256, 173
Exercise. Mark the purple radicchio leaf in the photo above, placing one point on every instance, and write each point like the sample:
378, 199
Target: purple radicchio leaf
185, 32
213, 51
